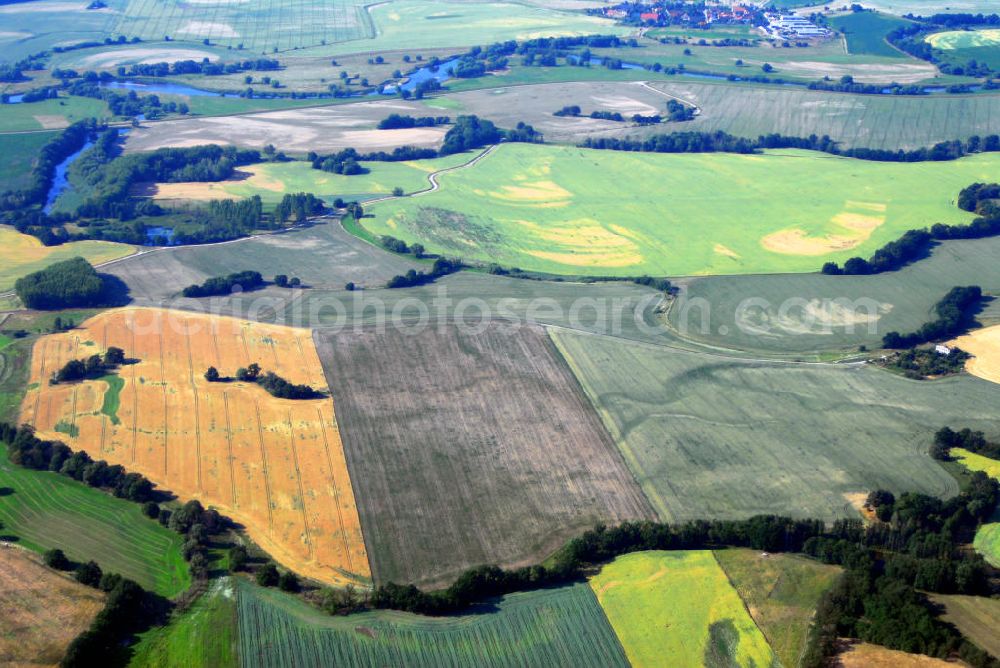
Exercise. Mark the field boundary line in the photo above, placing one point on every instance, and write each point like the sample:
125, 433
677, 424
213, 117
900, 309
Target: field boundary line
263, 461
655, 501
298, 482
197, 413
229, 441
336, 487
715, 558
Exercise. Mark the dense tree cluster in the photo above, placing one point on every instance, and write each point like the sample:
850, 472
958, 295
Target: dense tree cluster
954, 314
403, 121
204, 66
277, 386
469, 132
128, 104
94, 366
677, 142
974, 197
918, 363
224, 285
911, 38
65, 284
298, 207
442, 267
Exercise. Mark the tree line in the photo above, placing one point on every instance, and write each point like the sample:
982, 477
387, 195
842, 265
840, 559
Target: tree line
274, 384
974, 441
411, 279
954, 313
91, 367
224, 285
921, 363
56, 150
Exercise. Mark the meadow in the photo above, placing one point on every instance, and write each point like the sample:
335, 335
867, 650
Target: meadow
17, 154
535, 207
781, 592
865, 33
43, 610
274, 465
202, 636
46, 510
709, 436
273, 180
549, 627
21, 254
678, 609
798, 315
50, 114
446, 430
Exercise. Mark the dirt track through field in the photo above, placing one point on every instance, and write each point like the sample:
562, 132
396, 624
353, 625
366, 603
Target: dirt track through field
275, 465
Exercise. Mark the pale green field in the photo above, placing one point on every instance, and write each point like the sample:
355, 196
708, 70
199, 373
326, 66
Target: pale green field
678, 609
421, 24
567, 210
21, 254
273, 180
50, 114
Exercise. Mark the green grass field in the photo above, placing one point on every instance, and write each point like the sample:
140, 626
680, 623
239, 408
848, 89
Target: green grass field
50, 113
21, 254
204, 636
46, 510
781, 591
709, 436
17, 154
678, 609
929, 7
273, 180
799, 314
550, 627
537, 208
870, 121
866, 31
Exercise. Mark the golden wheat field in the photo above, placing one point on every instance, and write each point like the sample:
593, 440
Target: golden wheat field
274, 465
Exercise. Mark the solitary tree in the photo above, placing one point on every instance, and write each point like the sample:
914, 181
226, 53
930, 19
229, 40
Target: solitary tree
268, 576
212, 375
89, 574
56, 559
288, 582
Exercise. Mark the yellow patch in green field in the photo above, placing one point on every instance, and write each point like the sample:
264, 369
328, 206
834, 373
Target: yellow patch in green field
964, 39
974, 462
584, 243
21, 254
678, 609
537, 193
728, 252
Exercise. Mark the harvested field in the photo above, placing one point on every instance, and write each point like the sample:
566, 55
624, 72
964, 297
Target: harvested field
709, 436
781, 592
865, 655
321, 129
977, 617
41, 610
678, 609
21, 254
539, 629
984, 345
469, 448
655, 220
274, 465
323, 256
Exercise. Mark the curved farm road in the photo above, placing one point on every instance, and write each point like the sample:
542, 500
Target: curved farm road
432, 178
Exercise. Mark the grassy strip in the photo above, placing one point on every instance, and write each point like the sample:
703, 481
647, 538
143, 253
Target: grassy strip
112, 397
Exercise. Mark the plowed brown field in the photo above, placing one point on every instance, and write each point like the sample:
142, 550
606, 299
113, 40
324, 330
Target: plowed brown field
275, 465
